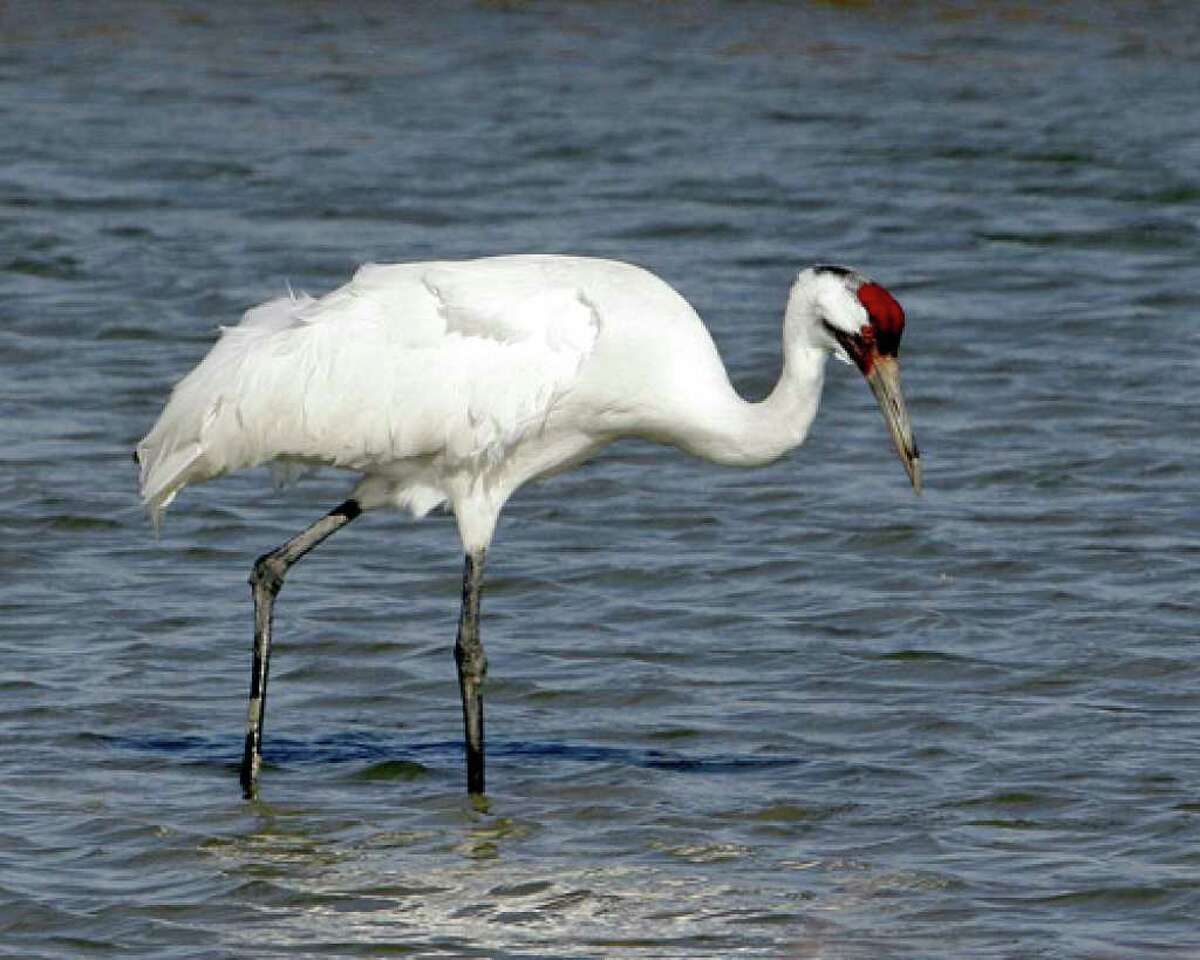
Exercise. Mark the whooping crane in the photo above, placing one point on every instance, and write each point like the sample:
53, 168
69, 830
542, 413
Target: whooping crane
456, 382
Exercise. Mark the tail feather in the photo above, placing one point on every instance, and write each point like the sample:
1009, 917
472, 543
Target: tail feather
180, 448
164, 474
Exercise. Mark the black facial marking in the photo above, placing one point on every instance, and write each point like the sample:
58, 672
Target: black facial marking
857, 346
834, 269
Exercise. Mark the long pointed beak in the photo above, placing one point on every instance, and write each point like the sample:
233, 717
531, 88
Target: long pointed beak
883, 375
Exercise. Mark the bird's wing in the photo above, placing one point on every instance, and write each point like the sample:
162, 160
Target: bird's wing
456, 362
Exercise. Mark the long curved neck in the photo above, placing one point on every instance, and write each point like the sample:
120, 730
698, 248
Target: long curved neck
740, 433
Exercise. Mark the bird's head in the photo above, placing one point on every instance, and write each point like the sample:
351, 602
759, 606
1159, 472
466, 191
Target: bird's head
841, 311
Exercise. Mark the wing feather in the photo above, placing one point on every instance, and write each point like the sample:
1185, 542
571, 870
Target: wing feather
453, 363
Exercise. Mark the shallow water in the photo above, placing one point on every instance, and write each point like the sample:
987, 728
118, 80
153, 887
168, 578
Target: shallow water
788, 712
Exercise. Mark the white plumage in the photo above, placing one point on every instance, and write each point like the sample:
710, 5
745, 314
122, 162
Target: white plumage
456, 382
443, 381
409, 375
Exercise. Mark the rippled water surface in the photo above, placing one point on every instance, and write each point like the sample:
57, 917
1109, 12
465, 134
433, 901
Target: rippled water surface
791, 712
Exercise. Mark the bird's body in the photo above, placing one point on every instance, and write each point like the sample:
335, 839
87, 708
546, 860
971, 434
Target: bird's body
457, 382
460, 381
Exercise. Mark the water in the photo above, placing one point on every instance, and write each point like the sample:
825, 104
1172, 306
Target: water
794, 712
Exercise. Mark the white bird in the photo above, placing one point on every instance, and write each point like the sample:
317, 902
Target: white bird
457, 382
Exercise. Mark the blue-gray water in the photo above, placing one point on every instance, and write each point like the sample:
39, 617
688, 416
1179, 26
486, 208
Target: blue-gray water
793, 712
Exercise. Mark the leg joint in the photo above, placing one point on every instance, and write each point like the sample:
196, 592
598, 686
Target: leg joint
471, 660
268, 573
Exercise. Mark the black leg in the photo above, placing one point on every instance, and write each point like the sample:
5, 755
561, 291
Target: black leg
265, 583
472, 667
